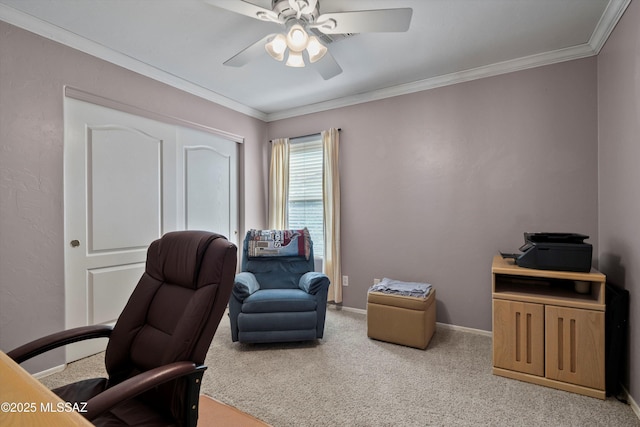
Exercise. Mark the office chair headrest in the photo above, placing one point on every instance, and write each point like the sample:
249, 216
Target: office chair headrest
177, 256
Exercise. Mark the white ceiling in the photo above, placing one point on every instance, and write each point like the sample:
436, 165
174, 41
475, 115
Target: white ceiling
185, 42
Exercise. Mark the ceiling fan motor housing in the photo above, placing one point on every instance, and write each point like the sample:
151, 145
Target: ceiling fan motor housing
289, 15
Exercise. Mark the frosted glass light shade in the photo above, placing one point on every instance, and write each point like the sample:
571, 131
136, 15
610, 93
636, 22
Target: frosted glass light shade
277, 47
295, 59
315, 49
297, 38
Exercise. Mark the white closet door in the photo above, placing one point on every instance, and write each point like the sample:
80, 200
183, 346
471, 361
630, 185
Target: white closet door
128, 181
209, 179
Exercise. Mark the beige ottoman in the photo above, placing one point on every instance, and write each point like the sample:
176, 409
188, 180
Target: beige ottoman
400, 319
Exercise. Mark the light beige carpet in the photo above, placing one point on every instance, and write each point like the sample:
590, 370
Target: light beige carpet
347, 379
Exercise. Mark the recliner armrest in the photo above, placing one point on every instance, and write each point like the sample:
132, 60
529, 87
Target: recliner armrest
244, 285
313, 281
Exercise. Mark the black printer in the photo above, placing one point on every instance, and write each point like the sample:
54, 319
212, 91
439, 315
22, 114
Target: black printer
554, 251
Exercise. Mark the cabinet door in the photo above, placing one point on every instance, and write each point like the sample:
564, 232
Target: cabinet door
518, 336
575, 346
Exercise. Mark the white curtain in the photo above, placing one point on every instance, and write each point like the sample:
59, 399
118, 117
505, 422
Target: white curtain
279, 184
332, 266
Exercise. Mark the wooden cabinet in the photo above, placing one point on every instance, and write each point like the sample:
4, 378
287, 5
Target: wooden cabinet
548, 327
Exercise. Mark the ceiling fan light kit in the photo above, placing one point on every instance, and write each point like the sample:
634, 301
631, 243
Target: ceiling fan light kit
299, 17
297, 41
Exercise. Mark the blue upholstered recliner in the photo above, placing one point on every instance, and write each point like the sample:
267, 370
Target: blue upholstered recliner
277, 298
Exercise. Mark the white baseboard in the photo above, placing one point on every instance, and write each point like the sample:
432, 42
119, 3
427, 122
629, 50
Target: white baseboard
443, 325
49, 371
339, 307
632, 403
465, 329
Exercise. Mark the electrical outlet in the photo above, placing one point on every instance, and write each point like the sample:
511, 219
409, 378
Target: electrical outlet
376, 281
345, 280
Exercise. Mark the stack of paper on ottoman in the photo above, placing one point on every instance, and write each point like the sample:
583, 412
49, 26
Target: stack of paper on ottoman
401, 312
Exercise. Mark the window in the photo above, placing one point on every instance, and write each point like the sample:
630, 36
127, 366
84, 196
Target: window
305, 189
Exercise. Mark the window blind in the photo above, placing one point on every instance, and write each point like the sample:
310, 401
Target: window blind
305, 189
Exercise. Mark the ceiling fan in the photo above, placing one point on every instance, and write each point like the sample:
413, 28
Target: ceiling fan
303, 21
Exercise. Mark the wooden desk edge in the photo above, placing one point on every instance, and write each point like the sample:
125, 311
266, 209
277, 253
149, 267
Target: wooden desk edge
25, 393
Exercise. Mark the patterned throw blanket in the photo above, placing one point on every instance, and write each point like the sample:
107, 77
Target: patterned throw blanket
273, 243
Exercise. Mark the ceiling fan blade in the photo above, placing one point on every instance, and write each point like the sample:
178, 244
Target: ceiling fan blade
245, 8
327, 67
248, 54
365, 21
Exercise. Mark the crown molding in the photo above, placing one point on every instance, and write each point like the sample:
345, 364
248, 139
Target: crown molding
505, 67
608, 21
67, 38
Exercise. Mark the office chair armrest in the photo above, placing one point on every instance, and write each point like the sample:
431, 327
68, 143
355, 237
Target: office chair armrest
58, 339
244, 285
313, 281
138, 384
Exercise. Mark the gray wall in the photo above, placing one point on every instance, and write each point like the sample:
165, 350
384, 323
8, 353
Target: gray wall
435, 183
619, 174
33, 71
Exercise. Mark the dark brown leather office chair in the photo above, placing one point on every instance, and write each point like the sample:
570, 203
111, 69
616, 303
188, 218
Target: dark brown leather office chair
157, 348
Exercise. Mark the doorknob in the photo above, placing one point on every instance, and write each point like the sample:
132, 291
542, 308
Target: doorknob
75, 243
